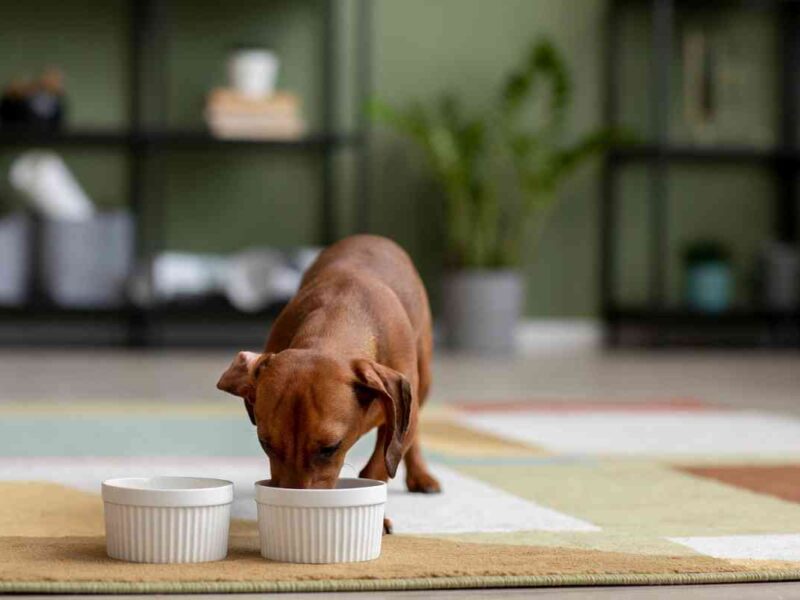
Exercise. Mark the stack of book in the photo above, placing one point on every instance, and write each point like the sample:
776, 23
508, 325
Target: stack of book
230, 115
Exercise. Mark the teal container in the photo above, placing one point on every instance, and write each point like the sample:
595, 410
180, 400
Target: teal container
709, 286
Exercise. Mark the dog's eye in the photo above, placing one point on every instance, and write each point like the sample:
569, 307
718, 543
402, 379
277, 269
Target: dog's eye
328, 451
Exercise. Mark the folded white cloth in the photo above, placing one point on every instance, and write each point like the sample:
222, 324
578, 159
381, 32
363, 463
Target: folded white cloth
257, 278
251, 280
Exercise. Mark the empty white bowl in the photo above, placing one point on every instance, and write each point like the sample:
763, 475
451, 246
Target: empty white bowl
167, 519
344, 524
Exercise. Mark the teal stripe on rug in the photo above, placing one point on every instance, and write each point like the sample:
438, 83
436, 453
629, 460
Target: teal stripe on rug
127, 436
135, 435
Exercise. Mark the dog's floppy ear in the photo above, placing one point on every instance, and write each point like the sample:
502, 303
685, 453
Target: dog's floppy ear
240, 378
394, 392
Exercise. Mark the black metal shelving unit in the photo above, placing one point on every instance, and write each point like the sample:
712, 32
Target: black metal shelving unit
656, 323
214, 321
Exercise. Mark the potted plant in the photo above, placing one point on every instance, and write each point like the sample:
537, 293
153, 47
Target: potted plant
499, 172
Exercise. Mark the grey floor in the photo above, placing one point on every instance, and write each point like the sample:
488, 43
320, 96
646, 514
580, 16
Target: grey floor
742, 379
748, 379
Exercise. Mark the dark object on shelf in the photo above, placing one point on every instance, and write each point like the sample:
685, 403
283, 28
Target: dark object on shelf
46, 100
144, 141
709, 278
654, 324
38, 106
779, 277
14, 107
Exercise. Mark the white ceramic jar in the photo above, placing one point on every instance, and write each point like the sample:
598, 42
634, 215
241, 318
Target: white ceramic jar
167, 519
344, 524
253, 72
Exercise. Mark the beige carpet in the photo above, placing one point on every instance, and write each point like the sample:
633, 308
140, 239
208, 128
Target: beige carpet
56, 544
530, 499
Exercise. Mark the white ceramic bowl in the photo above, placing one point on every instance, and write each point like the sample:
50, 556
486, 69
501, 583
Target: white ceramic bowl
344, 524
167, 519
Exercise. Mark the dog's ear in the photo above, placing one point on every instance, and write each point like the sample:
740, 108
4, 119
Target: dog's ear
394, 392
240, 378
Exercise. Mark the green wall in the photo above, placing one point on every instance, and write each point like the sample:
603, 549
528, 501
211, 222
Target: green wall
425, 48
222, 201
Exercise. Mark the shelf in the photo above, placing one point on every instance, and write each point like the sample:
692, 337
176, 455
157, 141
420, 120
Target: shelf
213, 322
700, 154
87, 137
738, 328
686, 316
203, 139
210, 309
185, 139
741, 4
144, 136
747, 326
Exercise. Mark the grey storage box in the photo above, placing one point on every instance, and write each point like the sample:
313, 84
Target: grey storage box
86, 264
15, 258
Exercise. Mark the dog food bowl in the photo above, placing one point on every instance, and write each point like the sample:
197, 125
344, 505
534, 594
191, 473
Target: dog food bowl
344, 524
167, 519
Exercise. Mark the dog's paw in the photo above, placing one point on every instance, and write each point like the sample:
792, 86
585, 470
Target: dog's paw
423, 483
388, 528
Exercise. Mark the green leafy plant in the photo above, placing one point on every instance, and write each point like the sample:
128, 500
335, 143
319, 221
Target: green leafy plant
486, 221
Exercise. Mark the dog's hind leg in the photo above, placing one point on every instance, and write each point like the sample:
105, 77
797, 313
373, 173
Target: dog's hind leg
418, 478
424, 357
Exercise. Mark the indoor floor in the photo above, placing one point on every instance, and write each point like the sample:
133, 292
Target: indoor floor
760, 380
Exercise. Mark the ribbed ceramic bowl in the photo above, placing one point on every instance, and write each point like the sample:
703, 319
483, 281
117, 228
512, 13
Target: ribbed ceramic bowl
167, 519
344, 524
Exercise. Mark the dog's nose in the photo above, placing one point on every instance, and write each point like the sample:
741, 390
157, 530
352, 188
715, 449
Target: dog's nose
298, 481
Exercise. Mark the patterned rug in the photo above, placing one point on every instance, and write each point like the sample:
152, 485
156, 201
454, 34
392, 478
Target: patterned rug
536, 494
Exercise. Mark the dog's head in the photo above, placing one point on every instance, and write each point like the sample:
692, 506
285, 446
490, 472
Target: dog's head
309, 409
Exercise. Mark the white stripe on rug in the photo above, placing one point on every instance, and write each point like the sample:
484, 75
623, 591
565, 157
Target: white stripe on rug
707, 433
466, 505
779, 546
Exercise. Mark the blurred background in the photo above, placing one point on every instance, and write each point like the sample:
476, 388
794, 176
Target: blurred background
600, 195
585, 172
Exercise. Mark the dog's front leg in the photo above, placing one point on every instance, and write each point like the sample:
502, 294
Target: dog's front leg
376, 465
376, 469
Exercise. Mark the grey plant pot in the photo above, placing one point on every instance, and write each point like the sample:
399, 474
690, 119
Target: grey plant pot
15, 233
87, 263
482, 310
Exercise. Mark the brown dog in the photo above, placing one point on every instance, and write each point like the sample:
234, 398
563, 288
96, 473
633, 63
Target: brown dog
350, 352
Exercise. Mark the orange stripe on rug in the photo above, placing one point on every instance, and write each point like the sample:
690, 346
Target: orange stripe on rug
583, 405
